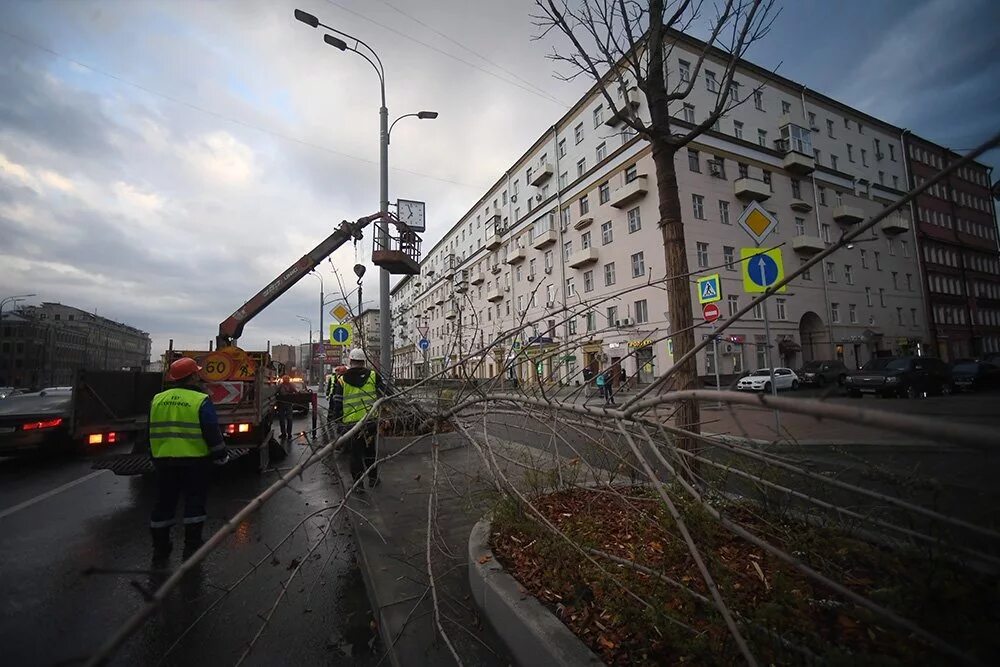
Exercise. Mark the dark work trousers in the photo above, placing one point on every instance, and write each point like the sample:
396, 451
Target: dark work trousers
285, 419
362, 448
176, 478
609, 396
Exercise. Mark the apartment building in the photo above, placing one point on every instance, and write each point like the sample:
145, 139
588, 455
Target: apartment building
564, 249
367, 335
957, 235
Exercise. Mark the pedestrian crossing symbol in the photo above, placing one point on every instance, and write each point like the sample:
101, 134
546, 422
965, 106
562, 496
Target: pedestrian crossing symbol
709, 289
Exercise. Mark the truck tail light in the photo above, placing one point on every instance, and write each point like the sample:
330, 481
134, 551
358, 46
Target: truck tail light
48, 423
102, 438
244, 428
237, 428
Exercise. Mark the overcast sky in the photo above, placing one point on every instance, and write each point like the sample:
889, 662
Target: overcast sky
161, 162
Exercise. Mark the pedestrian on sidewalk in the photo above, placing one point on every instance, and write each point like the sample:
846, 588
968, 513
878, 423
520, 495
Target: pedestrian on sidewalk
604, 385
184, 440
285, 391
358, 389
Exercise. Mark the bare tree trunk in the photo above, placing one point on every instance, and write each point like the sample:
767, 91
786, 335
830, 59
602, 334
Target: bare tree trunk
678, 289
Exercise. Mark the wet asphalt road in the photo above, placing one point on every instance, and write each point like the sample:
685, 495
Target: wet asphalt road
75, 552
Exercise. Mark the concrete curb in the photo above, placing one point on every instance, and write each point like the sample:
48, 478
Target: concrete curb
533, 635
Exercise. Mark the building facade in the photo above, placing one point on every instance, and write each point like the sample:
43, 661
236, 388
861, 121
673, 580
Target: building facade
367, 335
46, 345
285, 355
957, 234
564, 250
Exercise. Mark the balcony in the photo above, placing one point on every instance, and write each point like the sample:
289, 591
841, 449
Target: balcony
495, 294
632, 191
582, 258
808, 244
478, 278
439, 299
583, 222
896, 223
515, 255
451, 313
450, 261
795, 161
626, 108
542, 173
462, 287
801, 205
544, 239
848, 215
751, 188
493, 241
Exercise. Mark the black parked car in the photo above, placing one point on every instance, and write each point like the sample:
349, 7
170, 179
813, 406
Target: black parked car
821, 373
900, 376
973, 375
36, 421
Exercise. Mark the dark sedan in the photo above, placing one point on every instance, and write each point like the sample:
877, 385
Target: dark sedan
35, 421
974, 376
910, 377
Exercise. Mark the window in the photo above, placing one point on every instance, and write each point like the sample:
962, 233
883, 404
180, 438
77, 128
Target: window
807, 274
581, 167
631, 173
895, 182
831, 273
531, 266
711, 84
766, 175
570, 287
780, 308
604, 192
895, 281
702, 250
878, 261
724, 212
796, 188
694, 163
737, 129
578, 132
572, 327
852, 313
585, 240
634, 222
892, 247
850, 153
812, 121
899, 315
607, 235
909, 282
588, 281
684, 69
698, 205
835, 312
762, 137
864, 156
733, 303
517, 274
881, 178
758, 100
638, 265
598, 115
602, 151
864, 259
728, 256
825, 232
822, 196
757, 313
689, 113
906, 248
584, 204
609, 274
563, 180
591, 322
800, 226
881, 296
829, 129
567, 250
868, 295
833, 162
548, 260
892, 156
861, 128
744, 169
641, 312
913, 311
848, 274
520, 304
612, 315
786, 107
562, 148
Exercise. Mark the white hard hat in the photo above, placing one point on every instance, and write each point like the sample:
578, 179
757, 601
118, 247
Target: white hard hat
357, 354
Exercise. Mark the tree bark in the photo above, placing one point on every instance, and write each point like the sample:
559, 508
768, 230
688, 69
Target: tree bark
687, 415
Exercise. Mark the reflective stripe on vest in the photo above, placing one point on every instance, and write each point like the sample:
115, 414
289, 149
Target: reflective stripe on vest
358, 400
175, 426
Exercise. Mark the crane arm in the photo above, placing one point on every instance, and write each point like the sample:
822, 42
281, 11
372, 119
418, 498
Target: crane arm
232, 328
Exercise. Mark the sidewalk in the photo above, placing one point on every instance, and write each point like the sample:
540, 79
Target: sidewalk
390, 528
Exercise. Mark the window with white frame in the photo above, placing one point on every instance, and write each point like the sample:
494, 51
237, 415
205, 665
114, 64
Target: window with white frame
641, 312
868, 296
684, 70
800, 226
724, 212
609, 274
729, 257
638, 265
698, 206
737, 129
604, 192
588, 281
711, 83
567, 250
602, 151
585, 240
612, 312
607, 234
757, 312
762, 137
591, 321
733, 304
825, 232
689, 113
598, 115
584, 205
570, 287
835, 312
852, 313
881, 296
848, 274
779, 307
758, 100
831, 273
578, 132
634, 221
702, 253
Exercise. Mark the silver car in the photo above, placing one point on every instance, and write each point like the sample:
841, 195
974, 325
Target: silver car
760, 380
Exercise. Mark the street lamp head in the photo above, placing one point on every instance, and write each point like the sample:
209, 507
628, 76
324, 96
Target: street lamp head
306, 18
334, 42
427, 115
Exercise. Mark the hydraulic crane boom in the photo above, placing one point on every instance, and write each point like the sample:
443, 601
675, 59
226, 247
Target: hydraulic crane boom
232, 328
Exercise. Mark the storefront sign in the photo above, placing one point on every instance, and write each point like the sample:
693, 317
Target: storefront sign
640, 343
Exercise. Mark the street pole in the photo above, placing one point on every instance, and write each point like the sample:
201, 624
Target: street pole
322, 363
770, 367
385, 326
715, 353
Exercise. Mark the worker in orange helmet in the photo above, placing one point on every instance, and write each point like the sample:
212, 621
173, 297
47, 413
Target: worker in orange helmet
184, 440
285, 391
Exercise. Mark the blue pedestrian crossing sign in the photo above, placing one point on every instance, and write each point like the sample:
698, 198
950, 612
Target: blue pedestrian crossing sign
761, 269
424, 343
709, 289
340, 334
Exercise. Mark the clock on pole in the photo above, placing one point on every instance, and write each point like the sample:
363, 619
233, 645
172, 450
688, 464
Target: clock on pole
412, 213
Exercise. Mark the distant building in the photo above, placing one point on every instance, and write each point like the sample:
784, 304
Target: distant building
45, 345
366, 334
284, 354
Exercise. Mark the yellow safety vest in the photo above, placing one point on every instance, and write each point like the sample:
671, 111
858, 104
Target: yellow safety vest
358, 400
175, 426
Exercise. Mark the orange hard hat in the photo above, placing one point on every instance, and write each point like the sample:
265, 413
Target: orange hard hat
182, 368
286, 379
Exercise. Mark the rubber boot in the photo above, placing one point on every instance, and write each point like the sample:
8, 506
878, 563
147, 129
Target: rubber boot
192, 538
161, 542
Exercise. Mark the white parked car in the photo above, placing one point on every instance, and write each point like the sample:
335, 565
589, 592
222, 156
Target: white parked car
760, 380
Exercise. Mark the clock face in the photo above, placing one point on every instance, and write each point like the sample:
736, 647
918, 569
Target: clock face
412, 214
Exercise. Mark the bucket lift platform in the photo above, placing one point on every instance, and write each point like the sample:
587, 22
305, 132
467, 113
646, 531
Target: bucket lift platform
401, 254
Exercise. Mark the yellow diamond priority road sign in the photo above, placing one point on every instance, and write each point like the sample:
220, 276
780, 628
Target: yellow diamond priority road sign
341, 312
757, 222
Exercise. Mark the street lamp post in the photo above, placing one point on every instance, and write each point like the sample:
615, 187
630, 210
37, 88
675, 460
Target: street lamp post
312, 352
385, 326
319, 334
12, 299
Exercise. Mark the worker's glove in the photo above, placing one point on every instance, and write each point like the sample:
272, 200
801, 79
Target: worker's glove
221, 461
